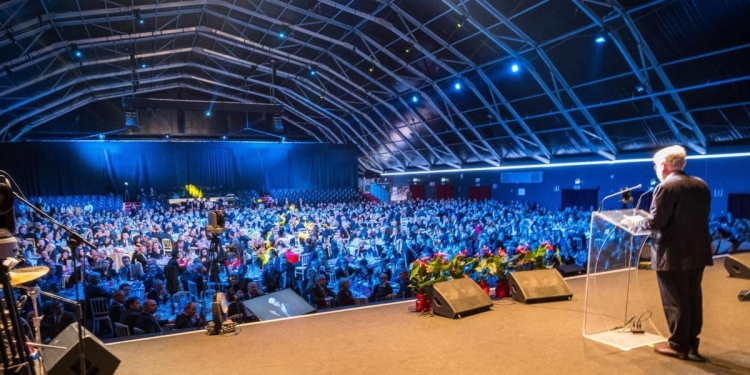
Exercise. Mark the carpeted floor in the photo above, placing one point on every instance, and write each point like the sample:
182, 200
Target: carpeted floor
392, 339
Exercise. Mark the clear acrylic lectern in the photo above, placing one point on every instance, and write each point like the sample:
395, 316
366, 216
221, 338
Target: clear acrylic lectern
612, 298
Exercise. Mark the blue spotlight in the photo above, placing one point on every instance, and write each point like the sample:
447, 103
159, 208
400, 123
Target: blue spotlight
143, 66
312, 72
414, 98
282, 35
141, 21
600, 39
79, 54
457, 86
101, 137
208, 113
514, 68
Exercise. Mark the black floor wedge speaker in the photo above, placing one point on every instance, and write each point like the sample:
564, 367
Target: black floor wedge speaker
738, 265
458, 298
98, 359
539, 286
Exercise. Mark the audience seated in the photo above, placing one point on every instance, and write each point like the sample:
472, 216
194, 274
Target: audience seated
367, 243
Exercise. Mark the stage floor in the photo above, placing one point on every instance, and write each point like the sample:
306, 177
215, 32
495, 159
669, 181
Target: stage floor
391, 339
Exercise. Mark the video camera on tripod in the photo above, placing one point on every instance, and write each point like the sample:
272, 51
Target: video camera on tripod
216, 222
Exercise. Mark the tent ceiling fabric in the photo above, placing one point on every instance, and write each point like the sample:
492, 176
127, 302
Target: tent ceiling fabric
383, 74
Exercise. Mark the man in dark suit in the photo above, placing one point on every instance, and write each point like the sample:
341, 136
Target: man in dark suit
382, 291
188, 317
130, 271
681, 249
53, 324
117, 308
320, 296
146, 320
130, 316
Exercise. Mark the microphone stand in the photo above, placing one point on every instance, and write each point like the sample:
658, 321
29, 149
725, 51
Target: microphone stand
74, 242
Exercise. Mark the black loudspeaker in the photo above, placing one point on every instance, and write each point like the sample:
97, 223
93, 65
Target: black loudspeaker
99, 360
738, 265
567, 270
458, 298
538, 286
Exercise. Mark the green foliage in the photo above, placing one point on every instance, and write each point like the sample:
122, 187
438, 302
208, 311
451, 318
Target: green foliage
425, 271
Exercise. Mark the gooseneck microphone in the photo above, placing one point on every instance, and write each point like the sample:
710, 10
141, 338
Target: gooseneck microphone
616, 194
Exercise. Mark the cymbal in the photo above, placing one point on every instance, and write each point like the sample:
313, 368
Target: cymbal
24, 275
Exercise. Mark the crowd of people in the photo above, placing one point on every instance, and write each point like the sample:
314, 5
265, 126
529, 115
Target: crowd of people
363, 249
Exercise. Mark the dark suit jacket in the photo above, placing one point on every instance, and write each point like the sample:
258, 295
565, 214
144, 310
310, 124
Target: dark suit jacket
136, 272
183, 321
148, 323
679, 224
130, 319
115, 311
379, 293
318, 296
50, 328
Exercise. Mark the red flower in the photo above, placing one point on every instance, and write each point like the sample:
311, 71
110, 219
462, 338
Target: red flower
550, 247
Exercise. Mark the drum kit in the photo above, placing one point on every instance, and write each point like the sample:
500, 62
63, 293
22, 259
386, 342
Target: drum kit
17, 355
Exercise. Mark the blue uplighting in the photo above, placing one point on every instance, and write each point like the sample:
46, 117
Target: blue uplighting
282, 35
457, 86
414, 98
78, 53
208, 113
143, 65
312, 72
141, 21
514, 68
600, 39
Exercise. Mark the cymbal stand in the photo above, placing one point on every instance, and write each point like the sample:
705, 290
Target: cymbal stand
16, 360
37, 323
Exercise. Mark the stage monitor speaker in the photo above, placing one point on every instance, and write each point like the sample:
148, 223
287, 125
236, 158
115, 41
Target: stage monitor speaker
538, 286
99, 360
567, 270
459, 298
738, 265
282, 304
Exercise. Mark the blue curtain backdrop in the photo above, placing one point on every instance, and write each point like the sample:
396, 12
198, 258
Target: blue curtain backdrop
69, 168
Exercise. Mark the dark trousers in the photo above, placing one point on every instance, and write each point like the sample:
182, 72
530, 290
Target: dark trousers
682, 299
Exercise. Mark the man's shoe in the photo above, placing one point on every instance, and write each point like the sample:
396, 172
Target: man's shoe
695, 356
667, 350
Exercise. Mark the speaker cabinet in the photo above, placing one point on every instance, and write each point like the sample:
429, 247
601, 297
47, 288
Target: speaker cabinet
99, 360
538, 286
567, 270
458, 298
738, 265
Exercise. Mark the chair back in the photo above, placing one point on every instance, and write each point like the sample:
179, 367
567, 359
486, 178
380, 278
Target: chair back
121, 330
304, 259
138, 331
99, 306
180, 299
207, 296
192, 289
166, 243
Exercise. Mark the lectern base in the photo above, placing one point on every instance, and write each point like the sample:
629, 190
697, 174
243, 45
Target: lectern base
625, 340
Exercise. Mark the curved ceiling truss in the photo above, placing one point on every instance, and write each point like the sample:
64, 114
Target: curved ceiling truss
414, 84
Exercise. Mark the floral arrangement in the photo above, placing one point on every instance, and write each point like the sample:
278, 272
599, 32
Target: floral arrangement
425, 272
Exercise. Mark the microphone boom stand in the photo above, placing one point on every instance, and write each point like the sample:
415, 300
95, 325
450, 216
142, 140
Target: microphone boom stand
74, 242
